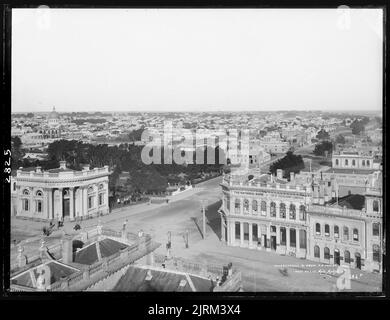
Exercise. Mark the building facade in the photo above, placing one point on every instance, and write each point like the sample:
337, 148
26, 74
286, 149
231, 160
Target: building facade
61, 193
300, 218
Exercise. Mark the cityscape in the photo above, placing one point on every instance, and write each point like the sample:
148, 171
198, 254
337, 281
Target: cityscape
199, 150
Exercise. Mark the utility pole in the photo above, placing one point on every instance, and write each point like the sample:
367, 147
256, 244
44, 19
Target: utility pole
203, 206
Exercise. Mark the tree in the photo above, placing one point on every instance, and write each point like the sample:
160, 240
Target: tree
290, 163
357, 127
323, 148
16, 153
340, 139
322, 135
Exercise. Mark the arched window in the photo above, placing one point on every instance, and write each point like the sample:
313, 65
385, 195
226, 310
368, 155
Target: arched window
346, 162
90, 189
273, 209
368, 163
337, 162
254, 205
375, 229
375, 205
263, 206
318, 229
39, 193
355, 234
347, 257
292, 211
376, 253
326, 253
282, 210
302, 212
101, 186
26, 192
336, 231
346, 233
353, 163
246, 205
327, 230
316, 251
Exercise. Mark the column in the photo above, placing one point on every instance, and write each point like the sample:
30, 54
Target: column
85, 201
277, 209
277, 236
60, 210
268, 238
250, 235
287, 239
232, 232
241, 206
50, 203
71, 204
96, 187
241, 233
297, 241
287, 213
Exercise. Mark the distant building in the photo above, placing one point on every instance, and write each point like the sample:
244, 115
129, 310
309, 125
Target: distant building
59, 193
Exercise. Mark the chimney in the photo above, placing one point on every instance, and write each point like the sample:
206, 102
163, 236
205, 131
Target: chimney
67, 250
38, 169
292, 176
85, 167
279, 173
62, 164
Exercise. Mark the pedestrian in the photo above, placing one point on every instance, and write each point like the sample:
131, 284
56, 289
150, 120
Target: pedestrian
124, 225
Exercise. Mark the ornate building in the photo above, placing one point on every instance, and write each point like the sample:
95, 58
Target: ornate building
60, 193
302, 217
52, 129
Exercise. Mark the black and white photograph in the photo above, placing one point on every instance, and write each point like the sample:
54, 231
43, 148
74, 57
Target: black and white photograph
208, 150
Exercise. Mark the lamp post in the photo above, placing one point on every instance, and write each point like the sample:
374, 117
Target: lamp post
203, 208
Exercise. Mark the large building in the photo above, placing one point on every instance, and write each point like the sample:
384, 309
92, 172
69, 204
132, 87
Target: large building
60, 193
273, 214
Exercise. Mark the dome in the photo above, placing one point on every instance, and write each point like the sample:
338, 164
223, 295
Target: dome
53, 114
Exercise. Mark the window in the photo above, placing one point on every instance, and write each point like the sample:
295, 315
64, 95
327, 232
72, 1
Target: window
14, 186
375, 229
337, 162
375, 205
318, 229
246, 205
237, 205
293, 238
368, 163
90, 202
353, 163
273, 209
346, 162
302, 212
39, 205
327, 230
237, 230
347, 257
326, 253
39, 193
90, 189
376, 254
282, 210
26, 192
282, 236
363, 163
26, 204
336, 231
273, 228
101, 199
254, 206
263, 206
302, 239
101, 186
346, 233
292, 212
355, 235
246, 231
316, 251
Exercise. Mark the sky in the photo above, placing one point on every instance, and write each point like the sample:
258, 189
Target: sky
196, 59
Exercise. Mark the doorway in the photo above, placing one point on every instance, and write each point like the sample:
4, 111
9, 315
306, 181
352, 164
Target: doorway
337, 257
358, 261
273, 242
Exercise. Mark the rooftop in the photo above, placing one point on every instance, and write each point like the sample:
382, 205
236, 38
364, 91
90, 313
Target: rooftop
352, 201
350, 171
